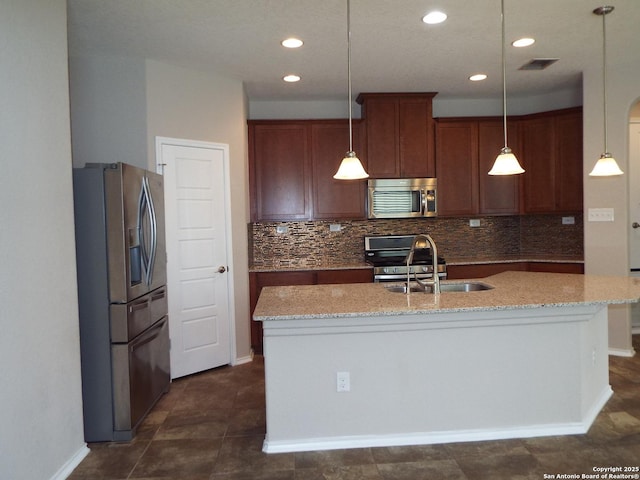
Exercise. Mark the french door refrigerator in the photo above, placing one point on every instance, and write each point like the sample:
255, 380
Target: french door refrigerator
121, 262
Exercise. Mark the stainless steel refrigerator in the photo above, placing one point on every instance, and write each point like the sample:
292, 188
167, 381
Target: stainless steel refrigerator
121, 262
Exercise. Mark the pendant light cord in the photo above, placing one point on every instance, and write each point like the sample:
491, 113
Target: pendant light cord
604, 77
349, 71
504, 77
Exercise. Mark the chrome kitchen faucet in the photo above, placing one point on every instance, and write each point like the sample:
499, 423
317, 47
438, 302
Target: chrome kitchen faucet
435, 282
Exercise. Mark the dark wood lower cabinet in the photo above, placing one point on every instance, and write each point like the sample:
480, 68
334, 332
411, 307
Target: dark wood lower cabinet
459, 272
258, 280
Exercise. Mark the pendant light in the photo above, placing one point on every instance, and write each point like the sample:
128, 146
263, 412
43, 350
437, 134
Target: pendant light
606, 166
350, 167
506, 162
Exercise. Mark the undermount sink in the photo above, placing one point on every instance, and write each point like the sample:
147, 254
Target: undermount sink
464, 287
444, 287
401, 288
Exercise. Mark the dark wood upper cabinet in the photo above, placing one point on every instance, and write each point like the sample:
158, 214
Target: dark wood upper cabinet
335, 199
499, 194
399, 134
292, 162
291, 168
465, 151
569, 161
551, 146
457, 167
536, 145
280, 171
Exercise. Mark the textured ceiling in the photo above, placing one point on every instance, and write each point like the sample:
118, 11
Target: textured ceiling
392, 49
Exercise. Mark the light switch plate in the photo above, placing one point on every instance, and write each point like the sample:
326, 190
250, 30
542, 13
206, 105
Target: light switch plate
474, 222
282, 229
335, 227
568, 220
600, 214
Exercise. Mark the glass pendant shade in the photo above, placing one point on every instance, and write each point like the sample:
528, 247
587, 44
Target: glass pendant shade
350, 168
606, 166
506, 164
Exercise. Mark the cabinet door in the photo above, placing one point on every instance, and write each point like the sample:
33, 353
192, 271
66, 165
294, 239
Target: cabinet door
536, 144
459, 272
356, 275
382, 133
457, 167
259, 280
569, 162
280, 173
498, 193
335, 199
415, 138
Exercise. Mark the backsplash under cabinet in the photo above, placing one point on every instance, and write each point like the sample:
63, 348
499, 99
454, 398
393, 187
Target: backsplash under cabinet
320, 243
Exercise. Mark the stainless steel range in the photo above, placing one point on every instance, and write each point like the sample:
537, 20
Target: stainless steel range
388, 255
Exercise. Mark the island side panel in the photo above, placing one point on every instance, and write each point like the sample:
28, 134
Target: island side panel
527, 377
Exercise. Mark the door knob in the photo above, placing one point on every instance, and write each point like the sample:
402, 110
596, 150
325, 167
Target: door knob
221, 269
635, 224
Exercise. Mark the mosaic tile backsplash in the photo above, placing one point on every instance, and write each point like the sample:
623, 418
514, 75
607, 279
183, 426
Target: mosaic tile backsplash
312, 244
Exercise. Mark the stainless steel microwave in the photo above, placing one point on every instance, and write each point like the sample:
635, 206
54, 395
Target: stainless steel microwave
402, 198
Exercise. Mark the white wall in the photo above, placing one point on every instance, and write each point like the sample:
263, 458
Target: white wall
442, 107
108, 110
606, 243
194, 105
41, 433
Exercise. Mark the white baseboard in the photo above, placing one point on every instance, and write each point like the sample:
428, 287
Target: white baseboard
428, 438
622, 352
367, 441
243, 360
72, 463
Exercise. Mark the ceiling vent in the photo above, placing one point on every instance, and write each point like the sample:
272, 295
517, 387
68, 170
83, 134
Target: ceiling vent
538, 64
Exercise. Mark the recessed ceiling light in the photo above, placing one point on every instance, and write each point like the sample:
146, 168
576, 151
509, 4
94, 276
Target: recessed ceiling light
523, 42
477, 77
292, 42
432, 18
291, 78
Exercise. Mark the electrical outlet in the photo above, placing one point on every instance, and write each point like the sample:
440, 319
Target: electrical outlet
600, 215
335, 227
474, 222
343, 382
568, 220
282, 229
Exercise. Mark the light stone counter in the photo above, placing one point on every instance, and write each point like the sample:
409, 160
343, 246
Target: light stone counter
512, 290
349, 366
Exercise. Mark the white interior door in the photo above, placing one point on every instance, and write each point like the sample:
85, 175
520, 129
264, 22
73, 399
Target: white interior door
197, 267
634, 195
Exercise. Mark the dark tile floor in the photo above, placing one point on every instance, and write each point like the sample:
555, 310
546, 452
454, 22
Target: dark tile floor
210, 426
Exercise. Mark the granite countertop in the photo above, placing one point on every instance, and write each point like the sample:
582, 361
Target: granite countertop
327, 265
512, 290
480, 260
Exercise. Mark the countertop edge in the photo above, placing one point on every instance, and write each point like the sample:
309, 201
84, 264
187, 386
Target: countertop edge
396, 313
512, 291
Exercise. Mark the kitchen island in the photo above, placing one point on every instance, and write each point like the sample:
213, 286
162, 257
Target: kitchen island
525, 358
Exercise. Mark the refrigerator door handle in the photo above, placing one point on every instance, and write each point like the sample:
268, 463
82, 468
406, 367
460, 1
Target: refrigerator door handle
154, 230
148, 244
144, 258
